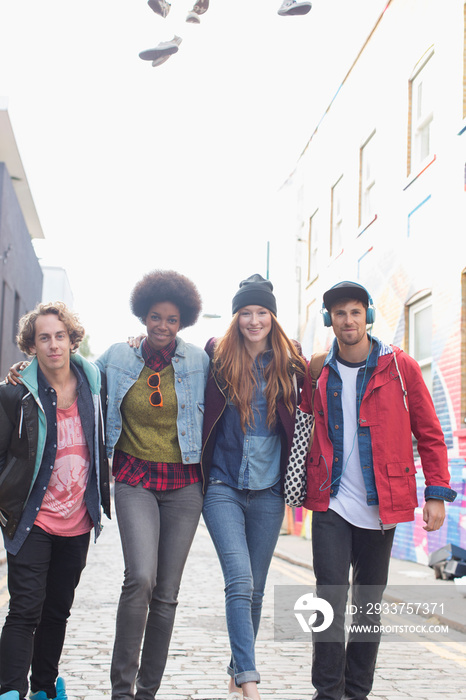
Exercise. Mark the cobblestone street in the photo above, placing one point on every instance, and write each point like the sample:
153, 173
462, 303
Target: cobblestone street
199, 650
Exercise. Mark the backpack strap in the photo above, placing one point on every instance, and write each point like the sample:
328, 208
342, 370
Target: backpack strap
315, 368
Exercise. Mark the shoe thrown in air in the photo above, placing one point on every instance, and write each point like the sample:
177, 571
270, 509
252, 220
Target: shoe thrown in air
160, 7
294, 7
60, 690
194, 16
164, 50
160, 60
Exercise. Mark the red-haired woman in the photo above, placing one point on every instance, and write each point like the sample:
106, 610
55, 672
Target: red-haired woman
249, 420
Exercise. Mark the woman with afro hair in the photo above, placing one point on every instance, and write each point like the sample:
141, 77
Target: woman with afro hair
154, 434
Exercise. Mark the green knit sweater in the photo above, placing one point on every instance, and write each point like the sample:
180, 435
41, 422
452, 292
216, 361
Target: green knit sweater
149, 432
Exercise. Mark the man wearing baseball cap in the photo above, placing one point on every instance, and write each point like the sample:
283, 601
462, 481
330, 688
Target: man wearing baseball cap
369, 400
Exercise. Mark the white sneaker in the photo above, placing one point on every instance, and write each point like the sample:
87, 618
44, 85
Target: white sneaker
162, 59
194, 16
162, 50
160, 7
294, 7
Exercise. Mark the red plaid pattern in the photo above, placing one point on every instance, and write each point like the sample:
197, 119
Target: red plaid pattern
157, 476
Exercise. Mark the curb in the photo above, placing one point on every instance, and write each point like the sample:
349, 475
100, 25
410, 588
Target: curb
454, 624
293, 559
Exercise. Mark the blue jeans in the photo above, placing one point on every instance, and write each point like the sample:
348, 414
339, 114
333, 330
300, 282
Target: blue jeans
339, 673
244, 526
156, 530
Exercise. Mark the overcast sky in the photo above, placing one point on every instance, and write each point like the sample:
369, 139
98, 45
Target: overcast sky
133, 168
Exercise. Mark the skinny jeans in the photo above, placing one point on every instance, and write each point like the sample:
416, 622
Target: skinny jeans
42, 578
244, 526
339, 671
156, 529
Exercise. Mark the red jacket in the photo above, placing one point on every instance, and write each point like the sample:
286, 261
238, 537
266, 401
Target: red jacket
392, 415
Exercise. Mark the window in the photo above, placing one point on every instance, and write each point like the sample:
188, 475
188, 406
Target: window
313, 247
336, 235
422, 90
365, 264
420, 223
420, 336
367, 181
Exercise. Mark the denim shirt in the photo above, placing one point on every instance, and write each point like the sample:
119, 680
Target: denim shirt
250, 459
122, 366
335, 418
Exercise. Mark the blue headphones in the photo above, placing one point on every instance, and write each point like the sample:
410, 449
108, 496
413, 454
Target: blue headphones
351, 290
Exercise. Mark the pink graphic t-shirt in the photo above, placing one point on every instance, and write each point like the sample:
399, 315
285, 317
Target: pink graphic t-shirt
63, 511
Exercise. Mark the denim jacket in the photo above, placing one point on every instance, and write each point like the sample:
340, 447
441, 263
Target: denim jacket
335, 417
122, 366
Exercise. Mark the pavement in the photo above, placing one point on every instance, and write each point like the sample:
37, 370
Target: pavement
426, 670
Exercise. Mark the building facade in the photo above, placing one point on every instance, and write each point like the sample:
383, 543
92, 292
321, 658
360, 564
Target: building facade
380, 198
20, 272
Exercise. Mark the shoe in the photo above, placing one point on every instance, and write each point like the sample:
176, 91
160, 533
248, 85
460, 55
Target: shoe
160, 7
60, 689
42, 695
11, 695
160, 60
294, 7
193, 17
235, 696
164, 49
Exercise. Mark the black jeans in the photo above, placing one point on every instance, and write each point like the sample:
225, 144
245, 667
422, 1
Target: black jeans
42, 579
339, 673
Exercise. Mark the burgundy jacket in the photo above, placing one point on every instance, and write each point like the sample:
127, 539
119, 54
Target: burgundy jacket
215, 402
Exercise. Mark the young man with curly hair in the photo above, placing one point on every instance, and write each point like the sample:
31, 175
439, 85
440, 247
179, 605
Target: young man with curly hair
53, 480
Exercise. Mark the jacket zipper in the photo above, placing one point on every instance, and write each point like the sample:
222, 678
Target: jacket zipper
213, 426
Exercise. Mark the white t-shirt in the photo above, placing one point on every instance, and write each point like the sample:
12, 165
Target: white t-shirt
350, 502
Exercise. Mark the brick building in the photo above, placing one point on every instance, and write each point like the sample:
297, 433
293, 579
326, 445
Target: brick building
379, 198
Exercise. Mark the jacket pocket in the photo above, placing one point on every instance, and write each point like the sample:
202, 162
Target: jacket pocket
318, 477
402, 483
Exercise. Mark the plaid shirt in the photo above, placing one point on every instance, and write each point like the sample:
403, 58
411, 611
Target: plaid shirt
157, 476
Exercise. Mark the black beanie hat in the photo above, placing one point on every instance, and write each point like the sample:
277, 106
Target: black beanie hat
257, 291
